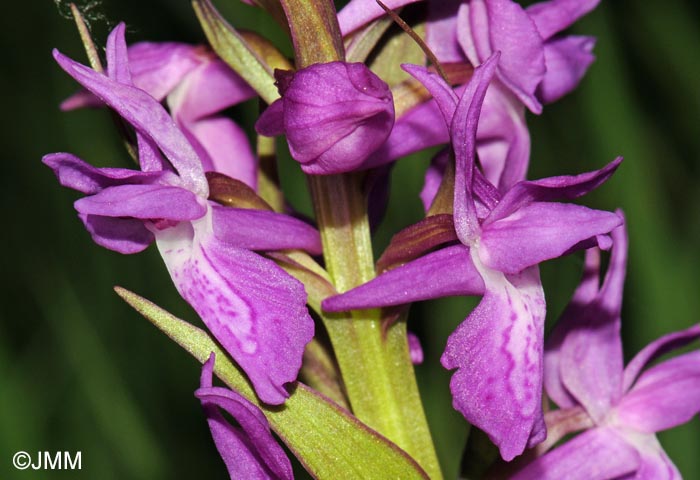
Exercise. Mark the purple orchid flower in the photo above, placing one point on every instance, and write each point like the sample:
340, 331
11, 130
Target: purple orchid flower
249, 450
497, 350
253, 308
621, 409
333, 114
197, 86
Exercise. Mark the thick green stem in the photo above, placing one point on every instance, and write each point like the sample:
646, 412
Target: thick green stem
374, 362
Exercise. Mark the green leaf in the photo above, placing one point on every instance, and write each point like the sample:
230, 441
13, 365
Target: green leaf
327, 439
235, 51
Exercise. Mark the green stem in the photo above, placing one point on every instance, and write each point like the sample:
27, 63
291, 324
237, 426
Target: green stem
374, 361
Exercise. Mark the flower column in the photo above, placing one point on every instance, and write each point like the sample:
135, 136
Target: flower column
374, 359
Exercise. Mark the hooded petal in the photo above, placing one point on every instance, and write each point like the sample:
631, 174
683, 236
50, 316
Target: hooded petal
262, 230
446, 272
147, 116
145, 202
72, 172
250, 305
249, 450
655, 349
123, 235
488, 26
597, 454
664, 396
553, 16
567, 59
497, 352
541, 231
358, 13
552, 188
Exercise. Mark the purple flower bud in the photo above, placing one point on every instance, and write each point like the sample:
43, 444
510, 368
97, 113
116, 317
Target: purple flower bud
334, 115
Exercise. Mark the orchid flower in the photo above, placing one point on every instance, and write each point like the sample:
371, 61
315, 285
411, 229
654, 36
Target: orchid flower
253, 308
494, 250
248, 450
620, 409
197, 86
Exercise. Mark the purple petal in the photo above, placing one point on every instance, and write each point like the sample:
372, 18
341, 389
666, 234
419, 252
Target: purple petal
433, 178
488, 26
358, 13
585, 293
271, 121
552, 188
497, 352
250, 305
443, 273
81, 99
146, 115
123, 235
555, 15
145, 202
444, 95
415, 349
262, 230
463, 132
596, 454
441, 30
654, 463
248, 450
208, 89
655, 349
72, 172
157, 68
502, 138
541, 231
665, 396
225, 148
567, 60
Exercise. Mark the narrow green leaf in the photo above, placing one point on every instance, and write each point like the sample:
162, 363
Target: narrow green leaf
235, 51
327, 439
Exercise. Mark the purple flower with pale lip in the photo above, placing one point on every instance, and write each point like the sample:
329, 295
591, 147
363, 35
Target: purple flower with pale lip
333, 114
249, 450
494, 250
253, 308
619, 409
197, 86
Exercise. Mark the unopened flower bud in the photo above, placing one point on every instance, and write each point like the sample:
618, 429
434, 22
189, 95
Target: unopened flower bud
333, 114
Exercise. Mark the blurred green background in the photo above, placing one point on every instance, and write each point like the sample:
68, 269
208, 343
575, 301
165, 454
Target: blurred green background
80, 371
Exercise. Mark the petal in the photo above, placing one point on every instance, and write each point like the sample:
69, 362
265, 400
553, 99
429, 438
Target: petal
497, 352
248, 450
433, 178
567, 60
441, 30
552, 188
72, 172
584, 294
665, 396
444, 95
654, 464
488, 26
146, 115
463, 133
224, 147
271, 121
597, 454
123, 235
443, 273
145, 202
262, 230
209, 89
541, 231
358, 13
555, 15
250, 305
415, 349
158, 67
502, 138
655, 349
